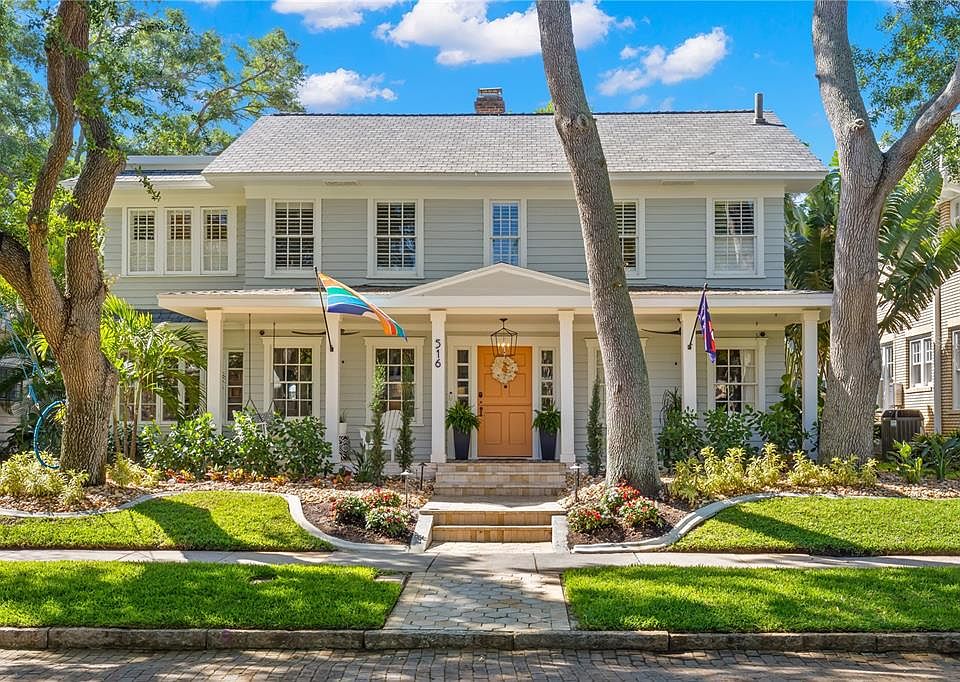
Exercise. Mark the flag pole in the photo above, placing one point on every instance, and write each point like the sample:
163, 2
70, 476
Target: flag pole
693, 332
323, 307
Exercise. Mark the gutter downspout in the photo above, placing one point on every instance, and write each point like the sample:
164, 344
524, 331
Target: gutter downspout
937, 368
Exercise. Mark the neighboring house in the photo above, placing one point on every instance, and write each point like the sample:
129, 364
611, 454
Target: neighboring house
450, 223
920, 366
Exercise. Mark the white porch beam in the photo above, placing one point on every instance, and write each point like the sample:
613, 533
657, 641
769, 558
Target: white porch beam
688, 359
567, 452
331, 385
809, 372
438, 395
215, 366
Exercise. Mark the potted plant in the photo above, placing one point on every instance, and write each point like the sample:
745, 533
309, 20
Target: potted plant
462, 419
547, 424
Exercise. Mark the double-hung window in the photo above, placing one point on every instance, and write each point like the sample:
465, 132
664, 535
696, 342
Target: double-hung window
736, 383
179, 257
395, 242
216, 240
734, 235
629, 232
887, 376
921, 362
235, 381
293, 236
293, 381
401, 363
505, 233
142, 240
955, 374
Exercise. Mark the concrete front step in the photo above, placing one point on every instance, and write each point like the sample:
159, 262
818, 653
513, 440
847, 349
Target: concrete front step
498, 490
491, 519
495, 533
492, 481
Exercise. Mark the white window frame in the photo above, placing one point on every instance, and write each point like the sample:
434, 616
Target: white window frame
196, 240
316, 345
271, 246
371, 344
372, 270
888, 391
640, 271
488, 229
925, 346
226, 380
758, 211
955, 364
191, 246
759, 345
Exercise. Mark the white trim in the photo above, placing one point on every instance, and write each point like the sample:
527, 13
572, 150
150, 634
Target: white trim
160, 211
371, 343
882, 402
566, 367
438, 388
270, 236
372, 270
231, 240
316, 344
758, 226
215, 357
225, 380
921, 385
640, 272
955, 367
488, 230
728, 343
810, 374
576, 287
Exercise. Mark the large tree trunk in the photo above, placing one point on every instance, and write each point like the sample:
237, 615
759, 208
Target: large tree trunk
631, 454
868, 176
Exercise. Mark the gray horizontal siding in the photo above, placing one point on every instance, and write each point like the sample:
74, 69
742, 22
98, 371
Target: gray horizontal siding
453, 231
554, 240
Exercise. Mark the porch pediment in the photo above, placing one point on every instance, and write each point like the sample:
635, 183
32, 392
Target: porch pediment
499, 280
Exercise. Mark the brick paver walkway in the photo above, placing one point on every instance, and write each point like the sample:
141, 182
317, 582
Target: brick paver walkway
69, 666
512, 601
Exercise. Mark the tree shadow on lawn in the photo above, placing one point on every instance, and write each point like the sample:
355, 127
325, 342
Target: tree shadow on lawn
190, 526
800, 538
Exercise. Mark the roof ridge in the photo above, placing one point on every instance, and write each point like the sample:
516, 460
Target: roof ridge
509, 114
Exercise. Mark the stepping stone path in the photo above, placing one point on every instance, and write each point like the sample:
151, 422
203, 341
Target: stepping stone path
486, 603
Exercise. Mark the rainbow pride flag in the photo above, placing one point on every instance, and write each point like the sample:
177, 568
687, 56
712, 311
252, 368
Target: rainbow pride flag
345, 301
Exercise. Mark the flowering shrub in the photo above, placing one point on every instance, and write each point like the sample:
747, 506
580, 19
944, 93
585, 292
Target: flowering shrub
639, 512
615, 498
380, 497
389, 521
350, 510
589, 519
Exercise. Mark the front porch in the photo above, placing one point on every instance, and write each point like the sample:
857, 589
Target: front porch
269, 350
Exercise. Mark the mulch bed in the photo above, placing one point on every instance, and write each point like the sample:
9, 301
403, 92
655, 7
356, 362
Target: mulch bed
320, 515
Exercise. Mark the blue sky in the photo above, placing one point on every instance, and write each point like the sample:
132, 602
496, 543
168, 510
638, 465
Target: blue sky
390, 56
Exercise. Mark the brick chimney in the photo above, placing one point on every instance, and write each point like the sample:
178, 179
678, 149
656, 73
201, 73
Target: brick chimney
489, 101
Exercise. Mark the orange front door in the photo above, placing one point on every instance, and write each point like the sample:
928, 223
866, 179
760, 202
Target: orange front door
506, 410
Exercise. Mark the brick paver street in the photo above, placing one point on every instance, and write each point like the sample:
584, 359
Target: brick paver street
512, 601
69, 666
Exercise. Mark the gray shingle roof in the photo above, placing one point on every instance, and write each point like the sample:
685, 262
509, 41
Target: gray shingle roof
681, 142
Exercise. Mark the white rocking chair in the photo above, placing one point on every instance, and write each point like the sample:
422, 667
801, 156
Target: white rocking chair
391, 429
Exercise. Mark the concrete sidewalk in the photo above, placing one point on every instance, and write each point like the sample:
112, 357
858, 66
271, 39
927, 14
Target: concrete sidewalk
492, 559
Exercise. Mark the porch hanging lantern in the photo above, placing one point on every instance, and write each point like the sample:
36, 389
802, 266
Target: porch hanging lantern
504, 341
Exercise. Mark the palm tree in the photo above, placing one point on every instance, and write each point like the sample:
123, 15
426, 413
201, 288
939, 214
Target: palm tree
916, 254
153, 360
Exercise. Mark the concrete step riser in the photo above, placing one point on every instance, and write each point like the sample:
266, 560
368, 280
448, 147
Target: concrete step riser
500, 491
494, 534
493, 481
492, 518
499, 468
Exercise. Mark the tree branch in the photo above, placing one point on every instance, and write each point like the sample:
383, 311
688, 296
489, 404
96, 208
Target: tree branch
931, 116
15, 266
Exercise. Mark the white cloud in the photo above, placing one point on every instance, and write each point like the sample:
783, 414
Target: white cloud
629, 52
464, 34
320, 15
667, 103
336, 90
693, 58
638, 101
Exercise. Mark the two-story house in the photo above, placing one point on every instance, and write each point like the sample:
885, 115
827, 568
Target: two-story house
451, 223
920, 366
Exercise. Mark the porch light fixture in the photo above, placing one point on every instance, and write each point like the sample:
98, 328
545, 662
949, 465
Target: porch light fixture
504, 341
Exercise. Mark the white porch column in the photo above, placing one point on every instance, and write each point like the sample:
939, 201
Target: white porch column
331, 385
567, 452
215, 366
688, 359
809, 351
437, 353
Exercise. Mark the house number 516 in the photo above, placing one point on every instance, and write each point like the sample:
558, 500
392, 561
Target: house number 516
437, 345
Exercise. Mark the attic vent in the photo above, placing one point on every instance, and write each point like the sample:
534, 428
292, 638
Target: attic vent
758, 118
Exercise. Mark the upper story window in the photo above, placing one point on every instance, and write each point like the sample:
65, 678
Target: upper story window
504, 238
396, 240
921, 362
181, 245
293, 236
629, 231
735, 238
142, 240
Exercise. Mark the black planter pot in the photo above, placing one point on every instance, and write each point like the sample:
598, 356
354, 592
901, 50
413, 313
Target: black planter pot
548, 446
461, 444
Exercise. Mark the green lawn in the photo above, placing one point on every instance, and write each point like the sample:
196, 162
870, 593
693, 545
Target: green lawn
823, 525
197, 520
154, 595
765, 600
